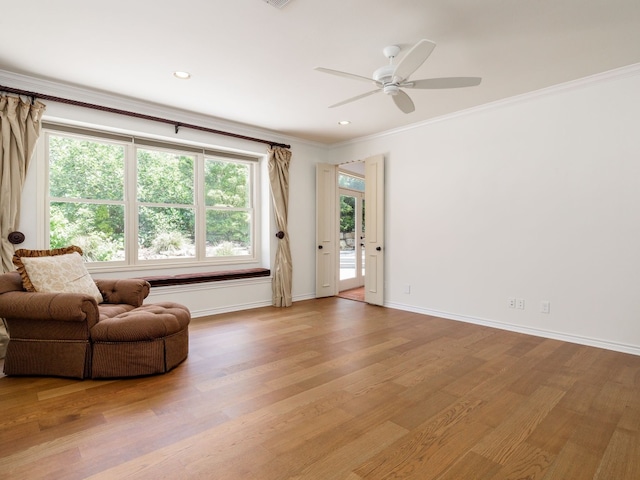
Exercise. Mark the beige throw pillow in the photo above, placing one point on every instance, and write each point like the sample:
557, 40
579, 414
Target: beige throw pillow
55, 271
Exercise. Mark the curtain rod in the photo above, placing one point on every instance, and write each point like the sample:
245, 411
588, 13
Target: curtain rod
177, 125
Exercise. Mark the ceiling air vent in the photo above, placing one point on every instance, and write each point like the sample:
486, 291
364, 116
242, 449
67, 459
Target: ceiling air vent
278, 3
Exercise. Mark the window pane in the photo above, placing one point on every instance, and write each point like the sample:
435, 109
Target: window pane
85, 169
228, 233
351, 182
96, 228
165, 232
165, 177
226, 184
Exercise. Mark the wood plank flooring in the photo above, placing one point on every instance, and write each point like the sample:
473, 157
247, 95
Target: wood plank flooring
337, 389
353, 294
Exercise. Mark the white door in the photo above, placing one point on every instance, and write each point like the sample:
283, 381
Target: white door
326, 230
374, 230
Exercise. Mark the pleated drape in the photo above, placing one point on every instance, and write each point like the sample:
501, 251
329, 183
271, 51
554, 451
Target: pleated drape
20, 124
279, 160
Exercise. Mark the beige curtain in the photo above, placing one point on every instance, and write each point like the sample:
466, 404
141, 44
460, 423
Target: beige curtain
20, 123
279, 159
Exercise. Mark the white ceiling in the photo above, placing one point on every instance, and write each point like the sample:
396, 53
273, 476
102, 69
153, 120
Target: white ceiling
254, 64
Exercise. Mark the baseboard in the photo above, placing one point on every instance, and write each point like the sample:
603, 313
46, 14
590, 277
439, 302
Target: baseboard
243, 306
300, 298
228, 308
591, 342
580, 340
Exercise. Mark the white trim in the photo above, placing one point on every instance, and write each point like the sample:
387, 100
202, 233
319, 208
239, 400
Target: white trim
618, 73
231, 308
565, 337
195, 313
301, 298
87, 95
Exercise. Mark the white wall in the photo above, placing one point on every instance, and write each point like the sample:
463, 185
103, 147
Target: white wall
536, 198
202, 299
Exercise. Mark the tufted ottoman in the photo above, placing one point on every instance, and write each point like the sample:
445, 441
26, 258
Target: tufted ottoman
146, 340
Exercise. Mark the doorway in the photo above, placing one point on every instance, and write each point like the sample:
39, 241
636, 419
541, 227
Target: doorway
352, 261
367, 253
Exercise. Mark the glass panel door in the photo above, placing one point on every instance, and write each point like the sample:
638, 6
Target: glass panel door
351, 240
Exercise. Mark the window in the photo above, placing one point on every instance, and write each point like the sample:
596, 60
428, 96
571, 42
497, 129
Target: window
166, 213
87, 196
228, 207
130, 201
350, 181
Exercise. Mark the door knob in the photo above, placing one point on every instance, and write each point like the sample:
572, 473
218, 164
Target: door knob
378, 248
319, 247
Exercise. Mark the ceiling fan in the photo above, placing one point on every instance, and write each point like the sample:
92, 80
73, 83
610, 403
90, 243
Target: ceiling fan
391, 78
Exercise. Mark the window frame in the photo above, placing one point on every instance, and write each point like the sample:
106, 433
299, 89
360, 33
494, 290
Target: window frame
251, 209
200, 152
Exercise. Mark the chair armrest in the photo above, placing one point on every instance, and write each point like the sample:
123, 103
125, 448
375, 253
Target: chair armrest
131, 291
72, 307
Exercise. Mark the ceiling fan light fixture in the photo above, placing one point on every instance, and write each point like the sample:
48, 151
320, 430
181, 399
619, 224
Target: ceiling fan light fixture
391, 89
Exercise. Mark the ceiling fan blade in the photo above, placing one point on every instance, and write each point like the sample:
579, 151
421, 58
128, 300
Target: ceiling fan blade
353, 99
413, 59
345, 74
403, 102
444, 82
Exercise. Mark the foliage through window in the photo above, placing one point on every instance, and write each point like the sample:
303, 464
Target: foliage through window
133, 203
348, 202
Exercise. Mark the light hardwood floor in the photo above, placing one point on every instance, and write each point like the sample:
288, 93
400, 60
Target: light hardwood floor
337, 389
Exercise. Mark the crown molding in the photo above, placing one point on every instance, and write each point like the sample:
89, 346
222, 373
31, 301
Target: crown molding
615, 74
87, 95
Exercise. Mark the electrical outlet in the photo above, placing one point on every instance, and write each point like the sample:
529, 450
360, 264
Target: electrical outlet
511, 301
407, 289
545, 306
520, 304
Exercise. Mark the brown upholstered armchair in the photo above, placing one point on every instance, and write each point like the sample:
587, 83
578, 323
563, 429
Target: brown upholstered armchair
71, 335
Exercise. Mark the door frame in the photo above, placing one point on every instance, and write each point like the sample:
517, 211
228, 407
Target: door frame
327, 230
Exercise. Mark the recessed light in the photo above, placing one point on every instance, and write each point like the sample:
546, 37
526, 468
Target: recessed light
182, 75
344, 122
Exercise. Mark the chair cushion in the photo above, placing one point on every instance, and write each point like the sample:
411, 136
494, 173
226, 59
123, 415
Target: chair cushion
61, 270
147, 322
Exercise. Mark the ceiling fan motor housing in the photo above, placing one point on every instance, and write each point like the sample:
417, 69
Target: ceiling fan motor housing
384, 74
